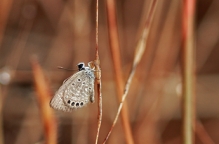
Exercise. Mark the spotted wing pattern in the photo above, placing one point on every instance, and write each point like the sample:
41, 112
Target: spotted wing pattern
75, 92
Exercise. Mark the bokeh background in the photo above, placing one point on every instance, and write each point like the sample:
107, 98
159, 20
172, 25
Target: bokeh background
62, 33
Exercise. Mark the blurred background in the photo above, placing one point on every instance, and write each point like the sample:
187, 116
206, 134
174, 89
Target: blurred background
62, 33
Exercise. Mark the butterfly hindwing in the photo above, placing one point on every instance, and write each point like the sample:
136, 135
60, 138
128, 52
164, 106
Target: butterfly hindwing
75, 92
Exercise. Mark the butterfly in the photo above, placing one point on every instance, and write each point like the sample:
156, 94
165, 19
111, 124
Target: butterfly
75, 92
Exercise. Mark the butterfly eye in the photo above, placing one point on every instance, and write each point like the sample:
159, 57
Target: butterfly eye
73, 103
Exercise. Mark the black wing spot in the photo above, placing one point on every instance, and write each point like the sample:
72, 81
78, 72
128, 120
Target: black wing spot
69, 101
81, 103
79, 79
77, 104
73, 83
83, 83
73, 103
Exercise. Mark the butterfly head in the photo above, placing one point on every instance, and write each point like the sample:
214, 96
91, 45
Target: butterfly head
81, 66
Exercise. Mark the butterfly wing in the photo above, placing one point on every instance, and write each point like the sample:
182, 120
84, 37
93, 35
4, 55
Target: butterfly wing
75, 93
57, 101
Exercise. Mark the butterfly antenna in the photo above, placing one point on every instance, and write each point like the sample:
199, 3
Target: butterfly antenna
59, 67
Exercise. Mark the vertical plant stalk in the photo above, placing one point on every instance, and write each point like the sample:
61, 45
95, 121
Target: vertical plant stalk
98, 75
43, 96
140, 48
115, 51
188, 98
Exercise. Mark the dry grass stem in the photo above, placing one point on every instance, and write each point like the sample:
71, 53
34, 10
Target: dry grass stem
99, 94
43, 96
188, 72
98, 75
140, 48
115, 52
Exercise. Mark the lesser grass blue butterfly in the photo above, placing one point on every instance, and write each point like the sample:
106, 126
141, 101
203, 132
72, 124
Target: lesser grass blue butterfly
75, 92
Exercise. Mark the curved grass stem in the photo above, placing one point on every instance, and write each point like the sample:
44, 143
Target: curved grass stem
140, 48
115, 52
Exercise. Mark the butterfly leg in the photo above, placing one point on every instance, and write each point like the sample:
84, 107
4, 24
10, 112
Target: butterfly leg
92, 99
91, 65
